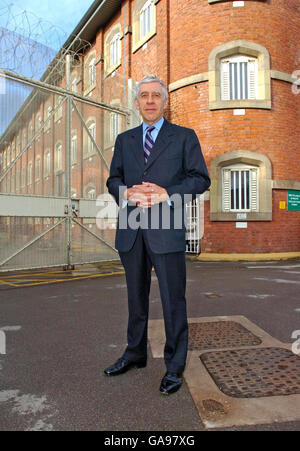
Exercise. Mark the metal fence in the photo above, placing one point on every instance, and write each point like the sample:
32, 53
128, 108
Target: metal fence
55, 151
55, 154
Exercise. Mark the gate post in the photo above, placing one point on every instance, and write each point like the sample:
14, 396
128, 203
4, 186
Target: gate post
68, 181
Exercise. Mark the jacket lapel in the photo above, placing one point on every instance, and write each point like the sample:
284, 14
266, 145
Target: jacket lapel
137, 145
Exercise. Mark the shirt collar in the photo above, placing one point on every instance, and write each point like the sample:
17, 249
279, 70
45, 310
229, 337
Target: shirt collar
157, 125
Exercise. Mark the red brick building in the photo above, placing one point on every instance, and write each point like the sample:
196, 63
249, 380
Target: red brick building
232, 68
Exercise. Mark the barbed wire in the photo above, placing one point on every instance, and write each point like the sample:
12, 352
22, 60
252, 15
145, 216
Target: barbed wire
28, 44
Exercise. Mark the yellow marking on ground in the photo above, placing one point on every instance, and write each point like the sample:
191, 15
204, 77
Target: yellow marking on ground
50, 281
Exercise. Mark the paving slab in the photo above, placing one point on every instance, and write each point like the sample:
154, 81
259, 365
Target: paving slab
218, 410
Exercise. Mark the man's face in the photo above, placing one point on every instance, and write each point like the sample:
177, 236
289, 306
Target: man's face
151, 103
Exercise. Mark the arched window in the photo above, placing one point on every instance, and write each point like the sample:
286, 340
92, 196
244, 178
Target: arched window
241, 185
90, 72
144, 22
47, 163
112, 50
29, 173
37, 168
239, 76
89, 138
58, 157
240, 188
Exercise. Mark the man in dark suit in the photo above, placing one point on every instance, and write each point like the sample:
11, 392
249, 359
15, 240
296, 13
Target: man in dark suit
153, 168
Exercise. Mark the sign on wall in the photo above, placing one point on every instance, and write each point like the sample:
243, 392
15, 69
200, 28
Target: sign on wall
293, 200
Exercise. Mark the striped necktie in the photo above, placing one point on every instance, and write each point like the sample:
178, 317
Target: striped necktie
149, 143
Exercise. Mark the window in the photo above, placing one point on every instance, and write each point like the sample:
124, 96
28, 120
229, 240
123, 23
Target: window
144, 23
13, 152
240, 188
74, 149
47, 163
38, 168
30, 131
18, 145
74, 85
58, 157
114, 126
146, 20
114, 50
238, 78
8, 156
92, 134
92, 72
92, 194
58, 100
24, 136
48, 113
29, 173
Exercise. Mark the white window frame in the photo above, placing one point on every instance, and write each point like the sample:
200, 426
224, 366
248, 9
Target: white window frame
114, 126
91, 194
92, 72
29, 173
114, 50
74, 149
238, 203
58, 157
146, 19
236, 82
92, 132
47, 162
37, 168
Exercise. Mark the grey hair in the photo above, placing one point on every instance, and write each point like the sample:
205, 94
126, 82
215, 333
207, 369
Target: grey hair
151, 79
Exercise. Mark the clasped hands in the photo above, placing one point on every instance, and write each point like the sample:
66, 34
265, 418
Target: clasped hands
146, 194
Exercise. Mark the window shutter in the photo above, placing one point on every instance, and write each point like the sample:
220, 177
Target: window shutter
225, 93
254, 190
226, 190
252, 79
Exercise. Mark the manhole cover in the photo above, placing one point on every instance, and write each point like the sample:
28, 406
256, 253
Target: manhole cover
254, 373
220, 334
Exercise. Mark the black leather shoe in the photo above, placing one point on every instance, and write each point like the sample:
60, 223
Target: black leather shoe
123, 365
171, 382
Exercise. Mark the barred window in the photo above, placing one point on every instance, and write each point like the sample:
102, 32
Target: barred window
238, 78
240, 188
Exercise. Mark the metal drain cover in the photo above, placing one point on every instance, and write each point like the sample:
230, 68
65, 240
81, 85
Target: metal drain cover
220, 334
254, 373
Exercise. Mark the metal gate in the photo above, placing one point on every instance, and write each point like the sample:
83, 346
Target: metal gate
55, 157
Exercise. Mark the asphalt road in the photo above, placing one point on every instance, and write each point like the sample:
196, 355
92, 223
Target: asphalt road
60, 337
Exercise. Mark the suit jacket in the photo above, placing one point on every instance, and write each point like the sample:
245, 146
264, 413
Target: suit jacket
175, 163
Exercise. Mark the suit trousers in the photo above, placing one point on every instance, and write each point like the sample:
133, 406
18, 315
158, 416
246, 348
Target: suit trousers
170, 269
